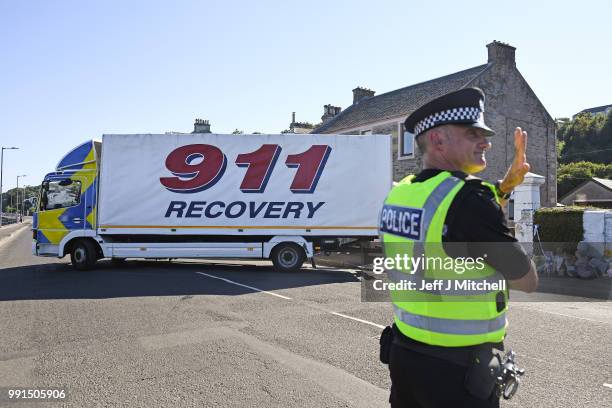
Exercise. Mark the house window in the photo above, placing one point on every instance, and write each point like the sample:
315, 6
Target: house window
406, 143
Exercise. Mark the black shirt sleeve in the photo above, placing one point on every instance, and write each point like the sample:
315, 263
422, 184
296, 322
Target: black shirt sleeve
476, 219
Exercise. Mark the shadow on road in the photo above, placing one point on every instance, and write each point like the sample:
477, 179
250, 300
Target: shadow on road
151, 278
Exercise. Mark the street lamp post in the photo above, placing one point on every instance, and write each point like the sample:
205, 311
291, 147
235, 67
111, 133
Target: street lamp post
1, 165
17, 192
23, 200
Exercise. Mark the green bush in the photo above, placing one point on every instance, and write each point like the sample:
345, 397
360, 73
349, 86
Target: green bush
560, 225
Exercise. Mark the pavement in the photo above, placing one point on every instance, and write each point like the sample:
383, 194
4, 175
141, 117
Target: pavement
11, 230
235, 334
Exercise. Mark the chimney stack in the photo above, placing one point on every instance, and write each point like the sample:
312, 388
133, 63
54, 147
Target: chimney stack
329, 112
201, 126
360, 93
501, 53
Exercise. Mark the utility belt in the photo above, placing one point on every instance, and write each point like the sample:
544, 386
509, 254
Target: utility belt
488, 369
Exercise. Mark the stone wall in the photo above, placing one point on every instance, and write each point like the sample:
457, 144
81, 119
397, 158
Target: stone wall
401, 167
510, 102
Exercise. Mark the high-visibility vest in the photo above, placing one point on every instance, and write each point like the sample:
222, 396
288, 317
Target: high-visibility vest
412, 223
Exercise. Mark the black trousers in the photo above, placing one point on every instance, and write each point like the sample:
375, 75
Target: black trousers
422, 381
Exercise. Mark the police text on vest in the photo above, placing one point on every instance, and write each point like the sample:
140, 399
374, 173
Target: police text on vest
402, 221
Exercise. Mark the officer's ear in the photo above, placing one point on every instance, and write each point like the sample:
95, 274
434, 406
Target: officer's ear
435, 138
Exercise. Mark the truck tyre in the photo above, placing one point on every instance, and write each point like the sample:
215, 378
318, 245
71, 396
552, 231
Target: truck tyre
287, 257
83, 255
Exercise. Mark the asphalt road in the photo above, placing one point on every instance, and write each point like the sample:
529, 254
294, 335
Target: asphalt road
207, 334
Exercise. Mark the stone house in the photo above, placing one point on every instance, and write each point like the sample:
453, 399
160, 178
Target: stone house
298, 127
201, 126
596, 192
510, 102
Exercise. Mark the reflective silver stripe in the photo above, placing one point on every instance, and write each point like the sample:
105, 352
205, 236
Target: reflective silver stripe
429, 209
418, 249
450, 326
435, 199
419, 281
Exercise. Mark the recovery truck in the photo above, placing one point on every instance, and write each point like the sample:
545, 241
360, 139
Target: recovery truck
257, 196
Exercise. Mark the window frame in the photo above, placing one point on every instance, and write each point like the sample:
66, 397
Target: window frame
45, 190
400, 143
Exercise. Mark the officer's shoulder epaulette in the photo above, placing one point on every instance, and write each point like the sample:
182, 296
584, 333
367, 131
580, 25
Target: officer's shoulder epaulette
473, 179
472, 182
478, 186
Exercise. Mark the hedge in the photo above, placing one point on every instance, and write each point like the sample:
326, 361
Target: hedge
561, 224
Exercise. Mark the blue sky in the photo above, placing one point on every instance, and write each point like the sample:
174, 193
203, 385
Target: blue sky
73, 70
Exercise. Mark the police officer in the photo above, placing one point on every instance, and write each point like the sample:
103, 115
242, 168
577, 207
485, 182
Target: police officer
444, 337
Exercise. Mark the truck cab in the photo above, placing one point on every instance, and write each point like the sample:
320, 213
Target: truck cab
66, 205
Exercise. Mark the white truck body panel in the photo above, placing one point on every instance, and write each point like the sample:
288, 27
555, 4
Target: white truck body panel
346, 199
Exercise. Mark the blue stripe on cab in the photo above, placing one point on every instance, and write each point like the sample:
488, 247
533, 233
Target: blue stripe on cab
76, 157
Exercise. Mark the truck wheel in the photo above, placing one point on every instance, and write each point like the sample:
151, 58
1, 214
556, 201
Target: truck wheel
287, 257
83, 255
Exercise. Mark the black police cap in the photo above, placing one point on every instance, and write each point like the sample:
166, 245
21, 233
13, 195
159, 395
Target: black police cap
464, 107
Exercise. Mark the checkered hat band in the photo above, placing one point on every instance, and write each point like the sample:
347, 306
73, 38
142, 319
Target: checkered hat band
447, 116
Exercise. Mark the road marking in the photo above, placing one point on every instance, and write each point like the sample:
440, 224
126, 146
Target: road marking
608, 385
560, 314
358, 320
575, 317
288, 298
244, 286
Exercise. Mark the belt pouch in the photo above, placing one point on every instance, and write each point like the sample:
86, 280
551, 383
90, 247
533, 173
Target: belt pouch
482, 373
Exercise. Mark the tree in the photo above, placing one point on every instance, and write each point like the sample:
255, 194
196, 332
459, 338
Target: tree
237, 132
586, 138
10, 196
560, 146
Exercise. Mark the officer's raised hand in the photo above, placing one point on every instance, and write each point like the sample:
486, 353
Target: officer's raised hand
519, 167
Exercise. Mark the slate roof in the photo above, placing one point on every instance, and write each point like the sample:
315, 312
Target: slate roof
596, 109
400, 102
604, 182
